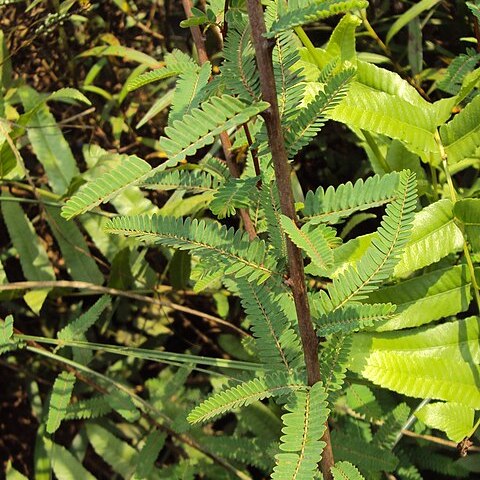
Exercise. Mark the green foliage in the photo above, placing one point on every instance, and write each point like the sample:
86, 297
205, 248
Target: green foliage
304, 425
196, 272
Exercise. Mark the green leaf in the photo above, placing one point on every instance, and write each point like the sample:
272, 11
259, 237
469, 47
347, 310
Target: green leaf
33, 257
6, 335
333, 204
219, 247
100, 190
346, 471
148, 454
455, 419
461, 136
342, 40
426, 298
64, 464
59, 400
434, 236
303, 12
127, 54
366, 456
117, 453
314, 241
467, 211
409, 15
48, 143
81, 324
390, 115
243, 395
353, 317
235, 193
79, 261
304, 425
395, 420
380, 258
439, 362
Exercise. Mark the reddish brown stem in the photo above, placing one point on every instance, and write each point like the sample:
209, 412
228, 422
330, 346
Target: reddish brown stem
224, 138
276, 142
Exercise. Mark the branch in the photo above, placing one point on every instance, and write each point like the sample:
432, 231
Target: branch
224, 138
282, 175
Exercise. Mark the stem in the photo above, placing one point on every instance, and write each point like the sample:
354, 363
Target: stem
282, 175
307, 43
376, 151
224, 138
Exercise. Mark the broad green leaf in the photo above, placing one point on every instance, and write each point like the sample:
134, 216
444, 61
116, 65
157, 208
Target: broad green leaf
390, 115
48, 143
346, 471
79, 261
59, 400
434, 236
467, 211
342, 41
68, 95
409, 15
33, 257
455, 419
13, 474
127, 54
461, 136
116, 452
439, 362
425, 298
64, 464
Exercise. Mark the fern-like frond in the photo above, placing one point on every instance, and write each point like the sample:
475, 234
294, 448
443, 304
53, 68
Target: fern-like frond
353, 317
379, 260
367, 457
239, 69
189, 92
59, 400
184, 138
304, 425
200, 127
244, 394
300, 12
7, 341
148, 454
386, 436
313, 241
461, 136
91, 408
276, 342
224, 248
176, 63
302, 128
196, 181
346, 471
248, 451
456, 71
333, 204
132, 170
270, 205
81, 324
235, 193
334, 360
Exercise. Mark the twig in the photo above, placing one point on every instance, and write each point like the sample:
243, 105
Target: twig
282, 168
439, 441
118, 293
224, 138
